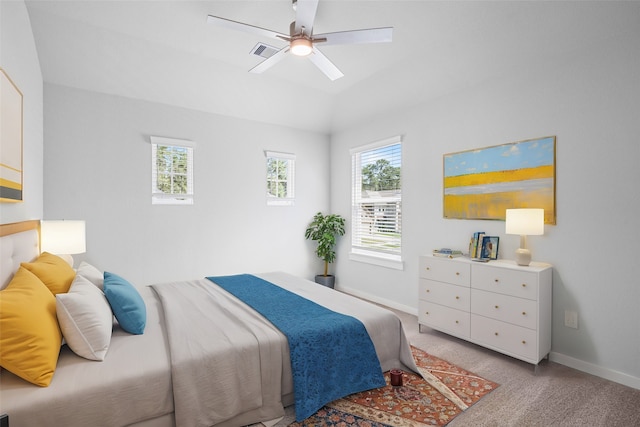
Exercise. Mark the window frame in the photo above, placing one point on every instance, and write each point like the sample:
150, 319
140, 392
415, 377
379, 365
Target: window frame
290, 159
359, 252
158, 197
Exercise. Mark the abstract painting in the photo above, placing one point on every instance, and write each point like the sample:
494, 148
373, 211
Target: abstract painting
10, 140
483, 183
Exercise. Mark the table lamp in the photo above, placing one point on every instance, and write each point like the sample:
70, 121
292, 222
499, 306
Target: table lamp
63, 238
524, 222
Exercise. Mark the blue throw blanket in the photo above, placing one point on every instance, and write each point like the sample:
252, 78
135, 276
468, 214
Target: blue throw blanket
332, 354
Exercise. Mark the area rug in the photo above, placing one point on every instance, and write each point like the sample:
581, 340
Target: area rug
436, 398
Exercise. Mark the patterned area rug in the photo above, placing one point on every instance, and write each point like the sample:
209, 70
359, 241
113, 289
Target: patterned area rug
445, 391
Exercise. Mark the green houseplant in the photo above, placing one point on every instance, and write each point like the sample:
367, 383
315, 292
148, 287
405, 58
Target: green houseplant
324, 229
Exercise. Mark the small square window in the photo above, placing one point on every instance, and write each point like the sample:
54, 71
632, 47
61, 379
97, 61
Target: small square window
172, 171
280, 179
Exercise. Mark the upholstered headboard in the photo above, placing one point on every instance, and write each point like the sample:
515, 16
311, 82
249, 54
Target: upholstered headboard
19, 242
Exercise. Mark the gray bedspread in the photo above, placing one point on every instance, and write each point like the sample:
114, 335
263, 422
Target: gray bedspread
226, 360
230, 366
227, 365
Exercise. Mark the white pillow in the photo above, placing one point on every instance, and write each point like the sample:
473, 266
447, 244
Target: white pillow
91, 273
85, 319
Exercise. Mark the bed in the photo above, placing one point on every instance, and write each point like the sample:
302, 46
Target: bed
244, 377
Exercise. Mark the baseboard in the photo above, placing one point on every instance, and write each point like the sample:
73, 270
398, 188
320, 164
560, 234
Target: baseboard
598, 371
378, 300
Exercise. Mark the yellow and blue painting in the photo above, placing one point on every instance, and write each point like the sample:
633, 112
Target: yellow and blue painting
483, 183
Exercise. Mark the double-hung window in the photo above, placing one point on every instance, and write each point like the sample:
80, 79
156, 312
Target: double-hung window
376, 235
172, 171
280, 178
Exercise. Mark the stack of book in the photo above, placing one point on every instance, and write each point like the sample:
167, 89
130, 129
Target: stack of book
447, 253
475, 245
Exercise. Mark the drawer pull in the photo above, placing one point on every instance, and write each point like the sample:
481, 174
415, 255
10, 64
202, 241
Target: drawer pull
496, 280
426, 312
428, 268
524, 285
457, 274
524, 342
457, 322
497, 307
524, 313
427, 290
457, 297
496, 334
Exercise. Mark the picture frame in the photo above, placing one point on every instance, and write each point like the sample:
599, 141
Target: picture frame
11, 123
490, 247
483, 182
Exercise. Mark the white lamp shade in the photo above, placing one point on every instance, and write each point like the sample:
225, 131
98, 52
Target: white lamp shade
63, 237
529, 222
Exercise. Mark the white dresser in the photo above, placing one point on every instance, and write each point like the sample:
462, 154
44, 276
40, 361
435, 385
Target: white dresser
499, 305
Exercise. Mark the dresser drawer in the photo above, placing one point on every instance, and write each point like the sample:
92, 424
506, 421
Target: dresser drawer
518, 311
453, 296
505, 337
518, 283
445, 270
449, 320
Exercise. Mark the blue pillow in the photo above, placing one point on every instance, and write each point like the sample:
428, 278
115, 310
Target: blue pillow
126, 303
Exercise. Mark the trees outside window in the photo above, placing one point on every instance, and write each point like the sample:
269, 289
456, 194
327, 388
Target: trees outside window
280, 178
172, 172
377, 198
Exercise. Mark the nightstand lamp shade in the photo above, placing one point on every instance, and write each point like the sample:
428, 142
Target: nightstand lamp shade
63, 238
525, 222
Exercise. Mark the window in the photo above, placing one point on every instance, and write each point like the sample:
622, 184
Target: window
172, 171
377, 203
280, 178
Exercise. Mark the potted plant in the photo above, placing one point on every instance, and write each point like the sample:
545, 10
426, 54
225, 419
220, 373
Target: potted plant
324, 229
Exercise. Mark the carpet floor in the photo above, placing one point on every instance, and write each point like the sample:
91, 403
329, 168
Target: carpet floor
433, 399
554, 396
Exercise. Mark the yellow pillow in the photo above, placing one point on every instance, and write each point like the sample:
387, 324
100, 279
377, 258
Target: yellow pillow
31, 338
53, 271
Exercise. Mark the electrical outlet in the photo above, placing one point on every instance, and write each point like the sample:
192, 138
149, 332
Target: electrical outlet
571, 319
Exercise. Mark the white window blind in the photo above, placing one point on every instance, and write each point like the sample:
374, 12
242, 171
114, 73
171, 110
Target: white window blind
377, 199
172, 171
280, 178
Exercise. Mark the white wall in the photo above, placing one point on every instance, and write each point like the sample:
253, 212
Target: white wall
19, 59
98, 168
591, 102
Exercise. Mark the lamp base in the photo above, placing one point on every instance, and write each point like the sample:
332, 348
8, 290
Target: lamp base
523, 257
67, 258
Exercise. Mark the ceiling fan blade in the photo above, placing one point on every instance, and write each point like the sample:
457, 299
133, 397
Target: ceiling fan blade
270, 62
246, 28
371, 35
325, 65
305, 15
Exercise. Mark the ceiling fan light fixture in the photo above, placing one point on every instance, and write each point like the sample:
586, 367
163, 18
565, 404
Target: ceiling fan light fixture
301, 46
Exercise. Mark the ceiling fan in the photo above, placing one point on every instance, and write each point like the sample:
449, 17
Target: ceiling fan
302, 41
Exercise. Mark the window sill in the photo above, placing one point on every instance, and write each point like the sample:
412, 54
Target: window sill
382, 260
279, 202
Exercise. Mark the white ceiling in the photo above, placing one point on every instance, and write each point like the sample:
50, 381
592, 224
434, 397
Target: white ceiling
164, 51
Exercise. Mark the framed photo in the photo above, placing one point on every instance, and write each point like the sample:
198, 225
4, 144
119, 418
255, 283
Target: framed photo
490, 247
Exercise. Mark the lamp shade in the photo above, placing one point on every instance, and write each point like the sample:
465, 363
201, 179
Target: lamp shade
63, 237
529, 222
